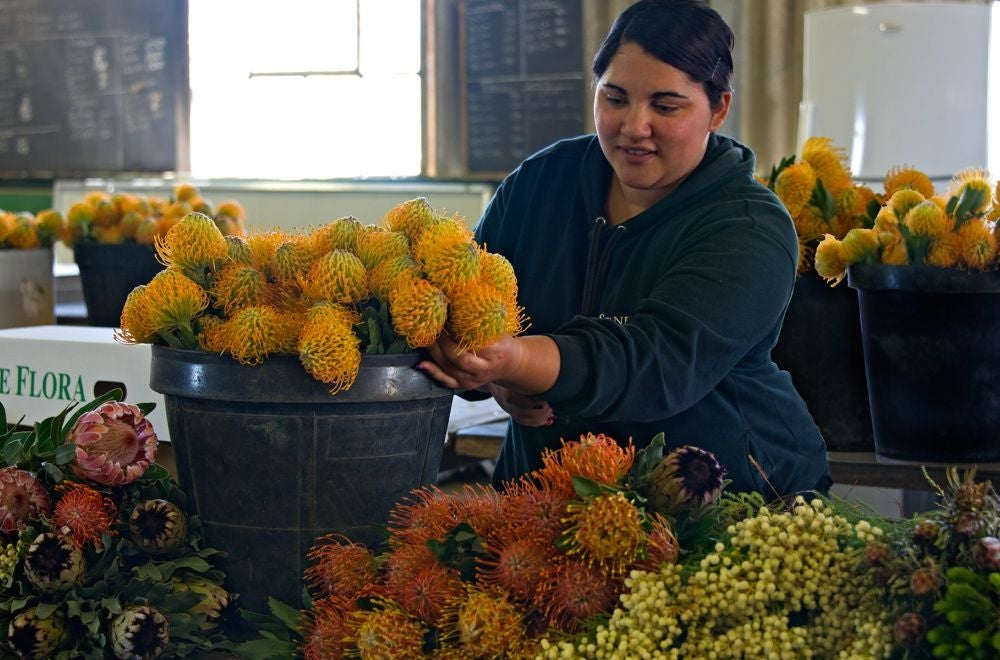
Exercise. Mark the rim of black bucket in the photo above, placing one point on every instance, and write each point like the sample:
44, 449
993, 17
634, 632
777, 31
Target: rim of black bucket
283, 379
921, 278
92, 252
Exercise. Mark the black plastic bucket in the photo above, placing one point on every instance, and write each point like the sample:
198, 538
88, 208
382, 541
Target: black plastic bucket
932, 357
820, 346
270, 460
108, 273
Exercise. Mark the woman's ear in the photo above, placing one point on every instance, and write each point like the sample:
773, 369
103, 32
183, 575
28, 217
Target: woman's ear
720, 111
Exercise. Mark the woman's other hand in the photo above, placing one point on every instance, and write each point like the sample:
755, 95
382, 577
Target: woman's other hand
523, 409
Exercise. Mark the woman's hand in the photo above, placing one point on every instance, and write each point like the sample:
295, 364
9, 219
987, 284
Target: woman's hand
527, 364
523, 409
468, 370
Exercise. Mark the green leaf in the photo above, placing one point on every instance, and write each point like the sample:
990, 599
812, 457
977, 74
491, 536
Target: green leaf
45, 610
266, 649
65, 453
648, 457
287, 614
53, 471
586, 488
12, 452
3, 417
111, 604
146, 407
149, 571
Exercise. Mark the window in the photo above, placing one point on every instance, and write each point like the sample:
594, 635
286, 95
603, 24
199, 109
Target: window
299, 89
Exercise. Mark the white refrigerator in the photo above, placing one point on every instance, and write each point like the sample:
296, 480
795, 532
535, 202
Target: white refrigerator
904, 84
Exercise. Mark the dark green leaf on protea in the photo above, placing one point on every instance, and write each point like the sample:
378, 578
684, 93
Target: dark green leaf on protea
31, 636
53, 562
686, 477
140, 632
158, 526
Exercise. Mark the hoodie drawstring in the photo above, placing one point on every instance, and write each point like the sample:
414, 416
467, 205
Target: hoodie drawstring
597, 269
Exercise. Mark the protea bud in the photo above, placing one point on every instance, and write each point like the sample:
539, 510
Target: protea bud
926, 531
216, 603
877, 553
115, 444
140, 632
926, 581
158, 526
909, 630
34, 637
986, 554
687, 476
53, 562
22, 498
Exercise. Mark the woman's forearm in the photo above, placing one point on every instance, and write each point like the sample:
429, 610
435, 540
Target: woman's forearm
537, 366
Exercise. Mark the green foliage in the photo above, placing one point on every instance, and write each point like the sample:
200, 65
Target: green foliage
376, 332
968, 626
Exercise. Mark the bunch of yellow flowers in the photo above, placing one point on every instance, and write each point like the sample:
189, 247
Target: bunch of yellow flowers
916, 226
820, 194
29, 231
109, 218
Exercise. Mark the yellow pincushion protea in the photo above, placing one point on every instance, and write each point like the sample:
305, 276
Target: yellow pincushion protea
606, 530
831, 264
328, 348
419, 310
327, 296
194, 244
820, 195
794, 186
914, 228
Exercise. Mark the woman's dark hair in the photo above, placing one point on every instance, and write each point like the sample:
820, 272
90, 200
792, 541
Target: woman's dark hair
686, 34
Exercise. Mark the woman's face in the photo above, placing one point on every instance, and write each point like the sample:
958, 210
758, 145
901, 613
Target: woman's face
652, 122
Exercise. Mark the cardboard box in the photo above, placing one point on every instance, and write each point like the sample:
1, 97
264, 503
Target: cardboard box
45, 368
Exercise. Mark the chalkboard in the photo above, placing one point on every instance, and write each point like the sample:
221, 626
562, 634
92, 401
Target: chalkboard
524, 79
93, 87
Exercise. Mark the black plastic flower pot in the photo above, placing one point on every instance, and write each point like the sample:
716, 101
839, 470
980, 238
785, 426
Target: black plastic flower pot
820, 346
108, 273
931, 356
271, 460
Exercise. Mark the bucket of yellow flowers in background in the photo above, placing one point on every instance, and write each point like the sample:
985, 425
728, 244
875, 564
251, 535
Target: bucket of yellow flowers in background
27, 285
286, 363
929, 299
112, 239
820, 342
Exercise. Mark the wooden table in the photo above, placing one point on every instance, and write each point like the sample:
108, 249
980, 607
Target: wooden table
483, 441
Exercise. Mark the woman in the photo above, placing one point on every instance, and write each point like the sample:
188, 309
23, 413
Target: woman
655, 271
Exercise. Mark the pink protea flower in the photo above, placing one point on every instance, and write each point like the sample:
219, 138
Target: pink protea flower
22, 497
115, 444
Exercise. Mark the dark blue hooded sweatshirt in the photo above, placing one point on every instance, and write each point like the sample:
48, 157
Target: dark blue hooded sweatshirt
664, 323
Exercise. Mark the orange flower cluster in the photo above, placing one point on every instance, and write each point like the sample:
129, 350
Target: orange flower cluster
489, 574
28, 231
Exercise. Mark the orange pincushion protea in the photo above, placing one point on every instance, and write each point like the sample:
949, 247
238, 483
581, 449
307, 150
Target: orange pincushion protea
536, 504
498, 272
85, 512
977, 244
383, 278
829, 162
327, 628
292, 260
137, 324
340, 234
480, 314
515, 563
427, 513
794, 185
340, 567
595, 457
447, 254
571, 591
254, 333
428, 592
376, 246
115, 444
479, 507
662, 546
